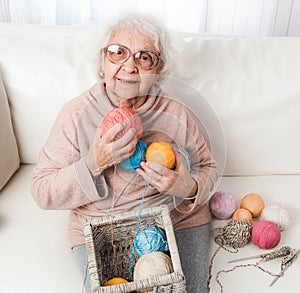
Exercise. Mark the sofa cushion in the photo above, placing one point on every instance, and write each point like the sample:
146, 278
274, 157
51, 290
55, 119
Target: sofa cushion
44, 67
9, 156
35, 254
252, 85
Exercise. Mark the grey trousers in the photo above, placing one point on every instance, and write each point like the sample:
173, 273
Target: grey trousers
193, 247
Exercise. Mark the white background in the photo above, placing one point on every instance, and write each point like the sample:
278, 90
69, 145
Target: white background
236, 17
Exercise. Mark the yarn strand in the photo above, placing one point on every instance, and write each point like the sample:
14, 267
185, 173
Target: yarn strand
114, 202
137, 229
111, 225
235, 235
256, 265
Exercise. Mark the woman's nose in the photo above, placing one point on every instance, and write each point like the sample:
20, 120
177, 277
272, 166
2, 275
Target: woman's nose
130, 66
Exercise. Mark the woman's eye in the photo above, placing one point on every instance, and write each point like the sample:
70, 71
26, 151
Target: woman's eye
145, 57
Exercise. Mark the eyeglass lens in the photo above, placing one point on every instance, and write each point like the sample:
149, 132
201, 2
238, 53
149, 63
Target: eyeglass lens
118, 54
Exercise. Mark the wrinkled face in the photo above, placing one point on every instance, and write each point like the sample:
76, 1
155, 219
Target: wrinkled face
129, 80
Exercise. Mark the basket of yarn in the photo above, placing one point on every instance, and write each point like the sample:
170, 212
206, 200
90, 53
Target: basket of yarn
115, 250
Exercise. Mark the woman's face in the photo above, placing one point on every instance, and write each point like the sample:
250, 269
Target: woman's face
128, 80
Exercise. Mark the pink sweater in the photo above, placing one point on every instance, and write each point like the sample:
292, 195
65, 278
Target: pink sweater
61, 179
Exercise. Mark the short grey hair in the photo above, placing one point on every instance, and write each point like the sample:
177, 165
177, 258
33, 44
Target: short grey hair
149, 26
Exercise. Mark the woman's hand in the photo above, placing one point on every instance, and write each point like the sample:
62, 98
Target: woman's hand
176, 182
106, 152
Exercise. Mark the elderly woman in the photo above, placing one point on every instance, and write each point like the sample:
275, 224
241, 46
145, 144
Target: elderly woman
78, 168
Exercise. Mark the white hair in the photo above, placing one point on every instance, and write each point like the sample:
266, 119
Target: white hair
150, 27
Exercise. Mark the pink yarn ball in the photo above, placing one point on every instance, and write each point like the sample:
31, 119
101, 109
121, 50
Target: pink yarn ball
266, 234
223, 204
119, 115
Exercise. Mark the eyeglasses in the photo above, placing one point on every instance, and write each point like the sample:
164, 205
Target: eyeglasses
118, 54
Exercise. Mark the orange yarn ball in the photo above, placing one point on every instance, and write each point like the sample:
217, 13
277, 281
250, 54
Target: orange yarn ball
162, 153
253, 203
115, 281
242, 214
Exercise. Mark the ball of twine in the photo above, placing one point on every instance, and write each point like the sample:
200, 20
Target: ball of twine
118, 115
235, 234
253, 203
277, 214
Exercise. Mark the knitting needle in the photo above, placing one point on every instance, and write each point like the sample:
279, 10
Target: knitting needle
248, 258
245, 258
286, 267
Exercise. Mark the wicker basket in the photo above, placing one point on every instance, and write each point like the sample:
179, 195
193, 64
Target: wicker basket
100, 251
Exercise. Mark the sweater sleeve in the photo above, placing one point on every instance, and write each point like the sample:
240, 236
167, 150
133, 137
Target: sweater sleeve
203, 165
61, 179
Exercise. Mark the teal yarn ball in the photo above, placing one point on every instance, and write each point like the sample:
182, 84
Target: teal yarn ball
149, 240
134, 162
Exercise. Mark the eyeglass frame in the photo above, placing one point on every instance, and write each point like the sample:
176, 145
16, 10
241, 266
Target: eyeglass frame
157, 54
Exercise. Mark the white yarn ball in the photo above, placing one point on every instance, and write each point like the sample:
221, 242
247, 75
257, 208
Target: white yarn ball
150, 265
277, 214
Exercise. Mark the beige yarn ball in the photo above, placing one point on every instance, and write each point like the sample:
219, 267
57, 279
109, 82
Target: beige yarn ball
150, 265
242, 214
277, 214
253, 203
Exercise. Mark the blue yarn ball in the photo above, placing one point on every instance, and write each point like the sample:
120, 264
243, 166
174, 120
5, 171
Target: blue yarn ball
149, 240
132, 163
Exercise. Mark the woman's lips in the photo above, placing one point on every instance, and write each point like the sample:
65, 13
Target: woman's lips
128, 81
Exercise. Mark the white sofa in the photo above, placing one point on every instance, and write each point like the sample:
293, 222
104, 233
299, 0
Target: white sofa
245, 92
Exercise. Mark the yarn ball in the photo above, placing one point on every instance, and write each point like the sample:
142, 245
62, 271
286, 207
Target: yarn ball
242, 214
150, 239
162, 153
150, 265
115, 281
118, 115
265, 234
132, 163
236, 234
277, 214
253, 203
223, 204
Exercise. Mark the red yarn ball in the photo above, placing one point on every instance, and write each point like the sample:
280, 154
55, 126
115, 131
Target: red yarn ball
119, 115
266, 234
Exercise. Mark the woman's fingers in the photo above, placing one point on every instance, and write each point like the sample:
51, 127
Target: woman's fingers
110, 135
154, 173
119, 155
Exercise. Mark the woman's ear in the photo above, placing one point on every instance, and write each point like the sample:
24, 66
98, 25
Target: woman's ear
160, 67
